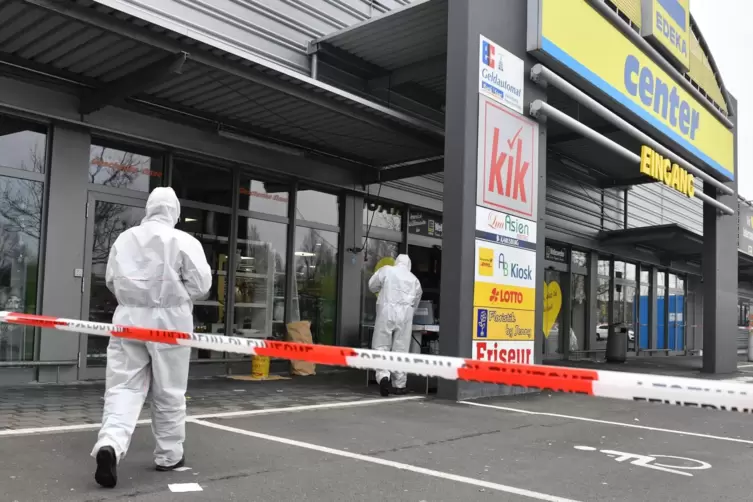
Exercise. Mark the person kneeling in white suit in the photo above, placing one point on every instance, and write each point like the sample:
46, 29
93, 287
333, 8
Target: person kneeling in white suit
156, 272
399, 295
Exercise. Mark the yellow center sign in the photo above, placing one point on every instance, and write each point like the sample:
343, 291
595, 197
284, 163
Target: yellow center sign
662, 169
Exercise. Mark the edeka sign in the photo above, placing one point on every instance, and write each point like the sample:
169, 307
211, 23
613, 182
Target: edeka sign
503, 324
666, 24
504, 228
578, 37
489, 294
745, 237
503, 351
501, 75
506, 265
507, 160
662, 169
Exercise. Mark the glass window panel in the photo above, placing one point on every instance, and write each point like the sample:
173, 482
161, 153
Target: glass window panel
22, 145
202, 183
672, 281
377, 254
643, 321
645, 277
316, 279
630, 271
579, 307
110, 220
269, 198
20, 227
117, 168
602, 313
680, 283
603, 268
661, 277
619, 269
212, 229
260, 279
579, 258
381, 215
660, 335
317, 207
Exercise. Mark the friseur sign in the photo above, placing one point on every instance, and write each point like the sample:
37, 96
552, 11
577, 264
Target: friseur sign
745, 239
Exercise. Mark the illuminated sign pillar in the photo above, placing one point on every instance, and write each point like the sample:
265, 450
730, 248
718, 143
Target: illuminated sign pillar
492, 293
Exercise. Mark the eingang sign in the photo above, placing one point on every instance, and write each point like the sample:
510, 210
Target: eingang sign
664, 170
578, 37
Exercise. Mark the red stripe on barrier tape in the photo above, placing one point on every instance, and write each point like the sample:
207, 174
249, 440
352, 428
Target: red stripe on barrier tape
520, 375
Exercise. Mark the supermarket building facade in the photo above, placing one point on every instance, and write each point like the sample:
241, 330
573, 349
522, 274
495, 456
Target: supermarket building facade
574, 187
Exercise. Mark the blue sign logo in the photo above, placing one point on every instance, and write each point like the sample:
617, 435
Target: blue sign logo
482, 323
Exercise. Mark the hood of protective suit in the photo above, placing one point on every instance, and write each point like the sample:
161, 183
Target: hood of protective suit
403, 261
162, 206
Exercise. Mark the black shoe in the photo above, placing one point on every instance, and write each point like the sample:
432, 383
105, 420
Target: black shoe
107, 467
384, 387
400, 392
163, 468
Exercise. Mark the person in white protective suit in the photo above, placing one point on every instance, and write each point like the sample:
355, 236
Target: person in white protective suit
156, 272
399, 295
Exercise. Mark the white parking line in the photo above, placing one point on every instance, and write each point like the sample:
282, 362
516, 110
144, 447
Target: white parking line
745, 365
388, 463
227, 414
607, 422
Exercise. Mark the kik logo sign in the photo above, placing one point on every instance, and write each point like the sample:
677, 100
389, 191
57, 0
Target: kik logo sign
507, 161
511, 185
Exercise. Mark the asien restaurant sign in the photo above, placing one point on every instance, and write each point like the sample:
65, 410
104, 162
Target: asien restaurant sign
503, 228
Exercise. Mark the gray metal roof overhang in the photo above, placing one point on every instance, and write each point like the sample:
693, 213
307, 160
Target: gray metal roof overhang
670, 241
109, 57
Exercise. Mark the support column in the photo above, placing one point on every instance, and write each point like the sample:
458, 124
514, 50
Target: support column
66, 229
720, 279
653, 312
467, 21
349, 299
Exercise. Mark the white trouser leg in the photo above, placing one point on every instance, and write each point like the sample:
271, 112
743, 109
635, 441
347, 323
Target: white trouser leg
401, 343
128, 375
382, 340
169, 381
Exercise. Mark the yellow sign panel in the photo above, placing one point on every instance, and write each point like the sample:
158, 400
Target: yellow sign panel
667, 24
486, 294
503, 324
581, 39
662, 169
486, 262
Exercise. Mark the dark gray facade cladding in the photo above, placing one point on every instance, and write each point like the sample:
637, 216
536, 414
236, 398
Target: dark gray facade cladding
572, 213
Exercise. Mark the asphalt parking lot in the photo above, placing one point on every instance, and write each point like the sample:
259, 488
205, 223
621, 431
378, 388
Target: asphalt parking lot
549, 447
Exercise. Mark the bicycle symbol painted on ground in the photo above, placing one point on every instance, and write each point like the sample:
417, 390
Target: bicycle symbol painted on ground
650, 461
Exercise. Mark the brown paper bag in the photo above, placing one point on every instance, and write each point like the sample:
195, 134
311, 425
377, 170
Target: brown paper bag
300, 332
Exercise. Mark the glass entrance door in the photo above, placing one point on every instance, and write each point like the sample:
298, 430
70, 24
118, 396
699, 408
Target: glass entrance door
107, 217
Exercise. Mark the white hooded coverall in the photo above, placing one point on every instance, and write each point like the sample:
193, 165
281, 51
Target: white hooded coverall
156, 272
399, 295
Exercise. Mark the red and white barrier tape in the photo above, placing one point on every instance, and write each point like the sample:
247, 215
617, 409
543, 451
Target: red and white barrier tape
728, 396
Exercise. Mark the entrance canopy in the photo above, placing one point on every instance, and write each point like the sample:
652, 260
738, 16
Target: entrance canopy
110, 58
671, 241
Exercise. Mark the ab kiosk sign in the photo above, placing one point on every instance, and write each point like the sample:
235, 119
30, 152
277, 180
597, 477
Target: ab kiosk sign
504, 296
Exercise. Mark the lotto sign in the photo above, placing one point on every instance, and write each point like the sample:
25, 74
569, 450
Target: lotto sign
506, 265
501, 75
503, 351
507, 160
489, 294
503, 324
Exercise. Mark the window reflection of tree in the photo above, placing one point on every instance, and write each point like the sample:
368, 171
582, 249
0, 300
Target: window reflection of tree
132, 166
316, 272
20, 227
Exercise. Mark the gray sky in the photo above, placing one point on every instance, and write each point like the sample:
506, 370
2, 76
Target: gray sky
725, 25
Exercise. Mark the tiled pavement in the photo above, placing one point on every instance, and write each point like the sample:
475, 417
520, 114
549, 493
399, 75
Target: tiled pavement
49, 405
